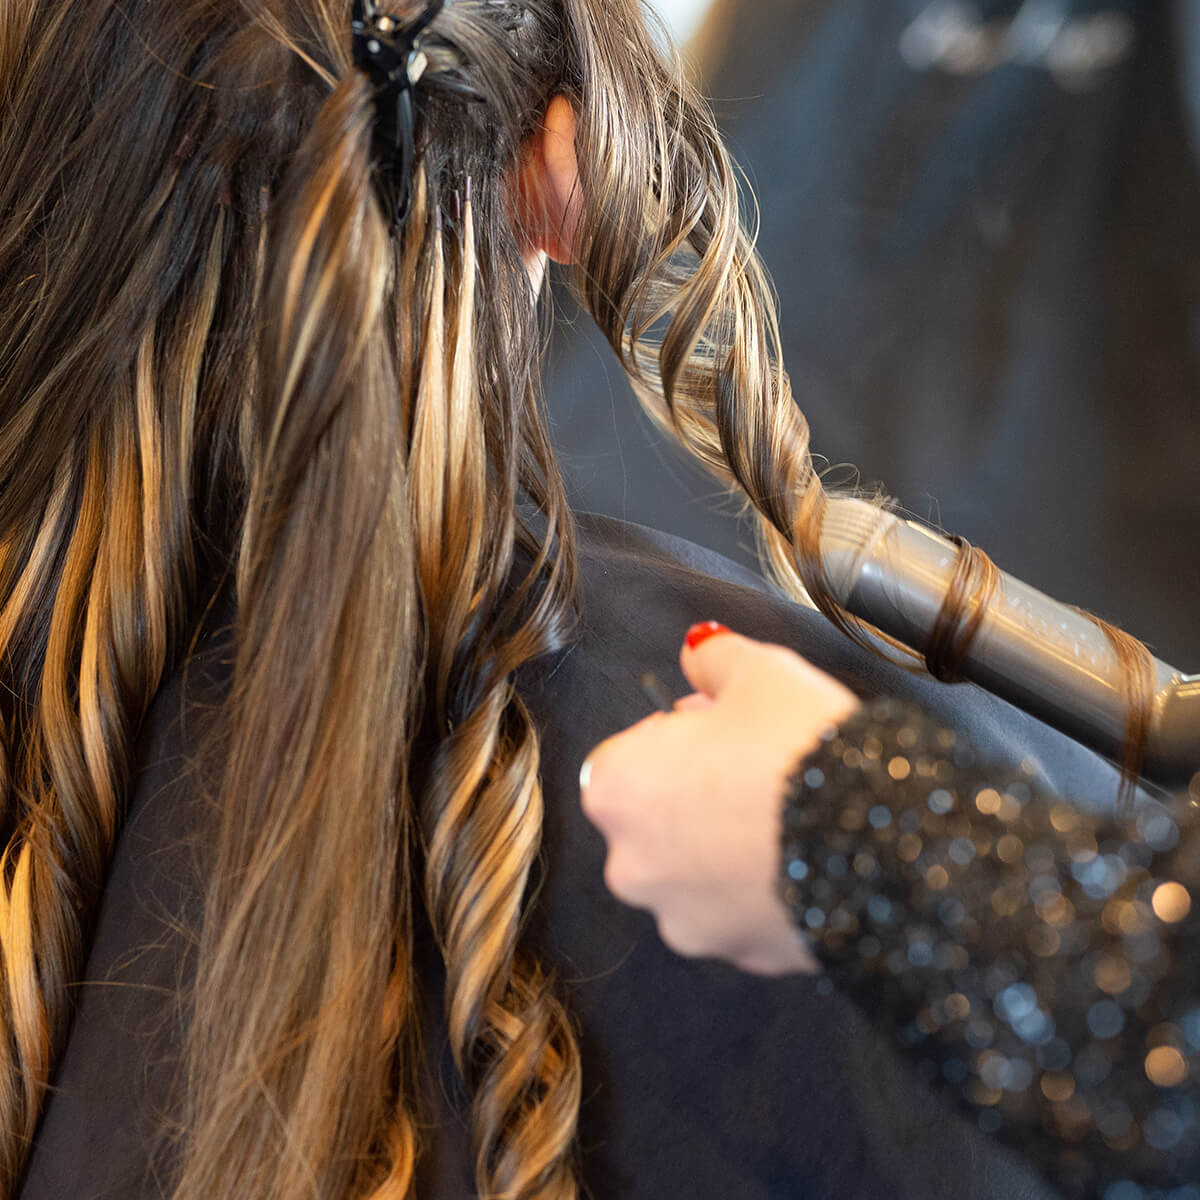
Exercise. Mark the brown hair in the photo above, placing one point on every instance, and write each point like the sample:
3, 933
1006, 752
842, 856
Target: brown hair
216, 360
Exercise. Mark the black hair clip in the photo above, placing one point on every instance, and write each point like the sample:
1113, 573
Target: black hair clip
389, 51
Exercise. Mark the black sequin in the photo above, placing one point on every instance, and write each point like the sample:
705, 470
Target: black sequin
1041, 963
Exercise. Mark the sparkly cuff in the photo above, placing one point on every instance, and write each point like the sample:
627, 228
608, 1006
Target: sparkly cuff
1037, 961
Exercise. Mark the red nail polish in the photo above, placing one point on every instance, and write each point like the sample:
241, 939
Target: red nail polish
702, 632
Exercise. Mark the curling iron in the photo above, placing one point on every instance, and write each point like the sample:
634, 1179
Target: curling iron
1032, 651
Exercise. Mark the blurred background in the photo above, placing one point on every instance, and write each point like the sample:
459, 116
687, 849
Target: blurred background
983, 221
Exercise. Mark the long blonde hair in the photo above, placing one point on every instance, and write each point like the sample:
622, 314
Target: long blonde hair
219, 369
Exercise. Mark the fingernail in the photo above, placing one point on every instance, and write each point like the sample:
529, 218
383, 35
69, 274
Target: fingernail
702, 632
585, 774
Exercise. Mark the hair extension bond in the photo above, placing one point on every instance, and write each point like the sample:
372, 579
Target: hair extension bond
255, 385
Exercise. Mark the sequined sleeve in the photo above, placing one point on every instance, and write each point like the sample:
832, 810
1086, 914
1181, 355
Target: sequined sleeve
1042, 964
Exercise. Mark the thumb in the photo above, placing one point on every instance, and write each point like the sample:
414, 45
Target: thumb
710, 655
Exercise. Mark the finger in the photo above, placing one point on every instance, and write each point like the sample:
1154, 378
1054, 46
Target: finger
587, 773
710, 655
693, 703
591, 786
610, 771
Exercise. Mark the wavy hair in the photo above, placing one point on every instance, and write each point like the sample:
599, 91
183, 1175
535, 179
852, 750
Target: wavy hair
220, 372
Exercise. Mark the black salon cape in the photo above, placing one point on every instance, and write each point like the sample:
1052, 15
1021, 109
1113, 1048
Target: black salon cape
699, 1082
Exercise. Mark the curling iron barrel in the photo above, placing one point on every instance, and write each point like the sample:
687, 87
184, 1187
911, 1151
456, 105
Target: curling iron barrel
1040, 655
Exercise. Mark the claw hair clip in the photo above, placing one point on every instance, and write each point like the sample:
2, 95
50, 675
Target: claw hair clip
389, 51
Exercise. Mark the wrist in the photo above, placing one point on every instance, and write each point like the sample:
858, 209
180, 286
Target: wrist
845, 787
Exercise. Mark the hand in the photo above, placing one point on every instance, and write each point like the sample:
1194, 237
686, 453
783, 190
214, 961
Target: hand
690, 802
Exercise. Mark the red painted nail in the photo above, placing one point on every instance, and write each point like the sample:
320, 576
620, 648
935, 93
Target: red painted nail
702, 632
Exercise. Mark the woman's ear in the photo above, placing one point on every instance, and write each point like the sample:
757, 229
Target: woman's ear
549, 201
